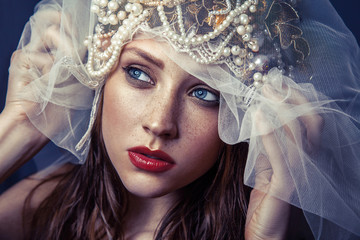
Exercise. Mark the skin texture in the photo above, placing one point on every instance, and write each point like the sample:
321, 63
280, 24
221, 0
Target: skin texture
162, 115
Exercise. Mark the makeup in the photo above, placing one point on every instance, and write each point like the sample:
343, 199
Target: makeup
150, 160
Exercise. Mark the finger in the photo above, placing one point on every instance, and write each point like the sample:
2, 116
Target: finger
51, 31
283, 111
26, 67
312, 121
24, 60
50, 40
272, 148
53, 17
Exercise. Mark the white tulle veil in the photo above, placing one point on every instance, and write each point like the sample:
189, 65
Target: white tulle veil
323, 177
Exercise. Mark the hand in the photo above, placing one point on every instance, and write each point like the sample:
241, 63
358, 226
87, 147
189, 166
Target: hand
33, 61
19, 139
267, 216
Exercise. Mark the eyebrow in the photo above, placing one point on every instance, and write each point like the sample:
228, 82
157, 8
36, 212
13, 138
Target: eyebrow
147, 56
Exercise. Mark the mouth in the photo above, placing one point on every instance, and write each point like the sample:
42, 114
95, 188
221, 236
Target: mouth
149, 160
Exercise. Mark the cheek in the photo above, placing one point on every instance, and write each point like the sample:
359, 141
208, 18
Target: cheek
202, 142
116, 118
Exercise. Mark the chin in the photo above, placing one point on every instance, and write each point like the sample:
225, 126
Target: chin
148, 187
148, 193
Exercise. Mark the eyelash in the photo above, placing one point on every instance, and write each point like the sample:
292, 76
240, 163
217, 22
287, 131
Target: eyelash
136, 73
205, 92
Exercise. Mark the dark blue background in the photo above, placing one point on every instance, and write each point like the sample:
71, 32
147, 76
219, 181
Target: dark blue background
14, 14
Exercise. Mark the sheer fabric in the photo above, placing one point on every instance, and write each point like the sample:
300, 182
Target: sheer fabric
320, 165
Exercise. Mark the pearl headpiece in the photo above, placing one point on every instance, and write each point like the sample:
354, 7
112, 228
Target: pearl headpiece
231, 32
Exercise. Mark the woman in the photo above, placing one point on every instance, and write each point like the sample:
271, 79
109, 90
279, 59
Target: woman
157, 115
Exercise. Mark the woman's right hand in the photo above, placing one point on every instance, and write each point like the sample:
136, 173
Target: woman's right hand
32, 61
19, 139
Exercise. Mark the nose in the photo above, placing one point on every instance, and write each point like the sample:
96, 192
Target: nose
161, 117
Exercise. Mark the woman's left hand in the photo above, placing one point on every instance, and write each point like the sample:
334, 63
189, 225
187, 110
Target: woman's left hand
268, 216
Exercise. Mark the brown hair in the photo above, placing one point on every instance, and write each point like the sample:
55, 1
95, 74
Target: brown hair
90, 201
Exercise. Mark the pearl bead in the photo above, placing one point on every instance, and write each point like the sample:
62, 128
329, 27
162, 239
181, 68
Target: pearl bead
226, 23
244, 19
136, 9
252, 66
121, 15
235, 50
146, 12
250, 55
103, 3
241, 30
238, 61
226, 52
126, 22
249, 28
131, 17
246, 37
121, 29
252, 9
113, 20
95, 9
257, 77
236, 20
128, 7
221, 27
257, 84
242, 53
253, 45
255, 48
163, 18
113, 6
261, 62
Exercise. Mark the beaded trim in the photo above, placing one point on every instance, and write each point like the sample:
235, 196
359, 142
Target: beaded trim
234, 38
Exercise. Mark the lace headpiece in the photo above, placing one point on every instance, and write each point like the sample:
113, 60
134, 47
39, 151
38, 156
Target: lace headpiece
237, 33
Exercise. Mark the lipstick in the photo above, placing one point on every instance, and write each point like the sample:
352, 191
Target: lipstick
149, 160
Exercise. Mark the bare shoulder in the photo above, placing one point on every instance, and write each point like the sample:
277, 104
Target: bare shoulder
12, 201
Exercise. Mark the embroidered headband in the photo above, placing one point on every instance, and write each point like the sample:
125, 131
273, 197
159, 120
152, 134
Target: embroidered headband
237, 33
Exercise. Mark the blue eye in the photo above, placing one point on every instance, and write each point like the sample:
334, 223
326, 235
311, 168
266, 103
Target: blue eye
205, 95
138, 74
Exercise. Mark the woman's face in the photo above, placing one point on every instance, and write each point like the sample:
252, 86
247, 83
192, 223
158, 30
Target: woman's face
159, 123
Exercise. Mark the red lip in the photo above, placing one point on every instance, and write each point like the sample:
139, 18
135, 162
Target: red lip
152, 161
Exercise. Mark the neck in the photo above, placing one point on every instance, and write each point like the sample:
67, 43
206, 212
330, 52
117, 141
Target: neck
145, 215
